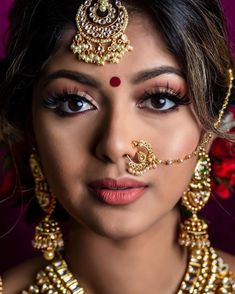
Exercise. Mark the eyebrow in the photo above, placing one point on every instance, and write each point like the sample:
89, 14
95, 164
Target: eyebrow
155, 72
88, 80
72, 75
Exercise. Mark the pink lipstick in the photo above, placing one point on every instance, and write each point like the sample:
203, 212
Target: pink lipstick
118, 192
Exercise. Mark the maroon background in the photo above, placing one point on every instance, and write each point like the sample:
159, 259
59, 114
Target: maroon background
15, 235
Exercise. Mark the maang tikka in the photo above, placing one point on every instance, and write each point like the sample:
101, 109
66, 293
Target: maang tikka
101, 34
48, 236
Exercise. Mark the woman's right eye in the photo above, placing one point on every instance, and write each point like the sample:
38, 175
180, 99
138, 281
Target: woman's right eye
68, 104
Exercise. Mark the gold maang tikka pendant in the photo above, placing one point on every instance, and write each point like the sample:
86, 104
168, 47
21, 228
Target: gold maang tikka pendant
101, 32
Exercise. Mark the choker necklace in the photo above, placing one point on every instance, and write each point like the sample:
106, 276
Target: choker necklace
206, 273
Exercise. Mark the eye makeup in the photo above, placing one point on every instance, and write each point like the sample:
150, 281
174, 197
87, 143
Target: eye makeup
162, 100
67, 103
73, 101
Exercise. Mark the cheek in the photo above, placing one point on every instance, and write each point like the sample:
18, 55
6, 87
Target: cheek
60, 149
170, 182
177, 137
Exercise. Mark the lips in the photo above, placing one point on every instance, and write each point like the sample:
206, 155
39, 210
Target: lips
117, 192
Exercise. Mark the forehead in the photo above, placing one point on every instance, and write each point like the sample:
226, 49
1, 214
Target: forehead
149, 51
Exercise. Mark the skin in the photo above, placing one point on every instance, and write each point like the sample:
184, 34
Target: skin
92, 145
132, 246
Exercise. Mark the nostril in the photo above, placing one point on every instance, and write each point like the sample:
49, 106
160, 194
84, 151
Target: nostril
106, 158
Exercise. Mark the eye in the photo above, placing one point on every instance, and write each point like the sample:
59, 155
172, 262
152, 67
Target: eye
76, 104
162, 100
69, 103
159, 103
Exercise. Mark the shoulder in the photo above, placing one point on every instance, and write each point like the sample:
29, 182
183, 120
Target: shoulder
229, 259
20, 277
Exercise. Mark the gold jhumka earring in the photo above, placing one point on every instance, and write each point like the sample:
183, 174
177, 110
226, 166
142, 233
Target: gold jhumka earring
101, 32
48, 237
194, 230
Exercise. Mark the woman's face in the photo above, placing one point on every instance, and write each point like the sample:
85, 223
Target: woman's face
84, 128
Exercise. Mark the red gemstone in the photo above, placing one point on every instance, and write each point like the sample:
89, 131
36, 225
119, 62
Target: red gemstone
115, 82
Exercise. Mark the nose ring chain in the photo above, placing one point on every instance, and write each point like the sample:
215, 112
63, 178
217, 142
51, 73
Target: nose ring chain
145, 159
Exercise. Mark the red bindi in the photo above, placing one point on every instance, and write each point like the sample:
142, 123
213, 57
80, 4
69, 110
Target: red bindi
115, 82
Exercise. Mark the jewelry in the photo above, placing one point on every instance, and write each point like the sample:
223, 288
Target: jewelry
145, 159
101, 32
194, 230
55, 278
115, 82
205, 273
48, 236
226, 100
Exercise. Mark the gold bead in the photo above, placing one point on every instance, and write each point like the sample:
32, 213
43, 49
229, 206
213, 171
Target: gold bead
49, 255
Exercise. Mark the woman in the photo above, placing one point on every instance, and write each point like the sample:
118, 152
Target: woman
119, 102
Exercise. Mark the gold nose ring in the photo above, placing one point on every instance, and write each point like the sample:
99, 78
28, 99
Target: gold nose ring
143, 160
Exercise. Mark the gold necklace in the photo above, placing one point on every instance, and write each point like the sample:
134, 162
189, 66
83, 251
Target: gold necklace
206, 273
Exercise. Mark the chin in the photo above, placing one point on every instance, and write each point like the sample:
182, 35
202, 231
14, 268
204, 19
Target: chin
119, 232
118, 227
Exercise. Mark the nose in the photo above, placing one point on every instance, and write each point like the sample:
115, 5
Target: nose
115, 137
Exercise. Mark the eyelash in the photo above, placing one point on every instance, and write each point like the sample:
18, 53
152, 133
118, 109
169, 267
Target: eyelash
167, 94
57, 101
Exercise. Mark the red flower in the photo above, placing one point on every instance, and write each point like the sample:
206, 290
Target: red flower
221, 190
222, 149
225, 169
223, 163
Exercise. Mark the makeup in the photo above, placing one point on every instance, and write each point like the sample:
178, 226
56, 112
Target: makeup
67, 102
162, 100
117, 192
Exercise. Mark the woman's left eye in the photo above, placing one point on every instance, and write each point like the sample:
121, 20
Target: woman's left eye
68, 104
162, 101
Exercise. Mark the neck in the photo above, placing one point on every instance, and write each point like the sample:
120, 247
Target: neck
151, 262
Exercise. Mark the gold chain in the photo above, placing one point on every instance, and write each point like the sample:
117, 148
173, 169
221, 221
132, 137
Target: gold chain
226, 100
